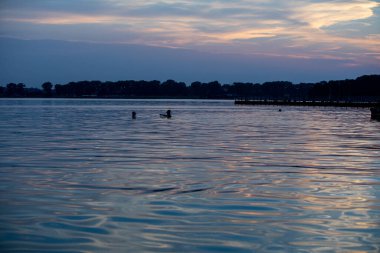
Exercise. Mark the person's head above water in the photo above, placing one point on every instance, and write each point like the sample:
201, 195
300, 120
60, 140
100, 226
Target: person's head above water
167, 115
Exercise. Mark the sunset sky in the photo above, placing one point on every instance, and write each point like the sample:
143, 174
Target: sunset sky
312, 39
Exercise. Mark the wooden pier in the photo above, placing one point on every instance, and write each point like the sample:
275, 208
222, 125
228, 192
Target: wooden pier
307, 103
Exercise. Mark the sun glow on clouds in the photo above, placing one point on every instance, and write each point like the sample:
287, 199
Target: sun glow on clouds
296, 28
320, 15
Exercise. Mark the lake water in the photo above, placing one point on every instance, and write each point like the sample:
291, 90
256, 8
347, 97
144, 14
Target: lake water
82, 176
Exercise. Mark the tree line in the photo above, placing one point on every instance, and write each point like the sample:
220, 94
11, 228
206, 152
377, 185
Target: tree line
364, 88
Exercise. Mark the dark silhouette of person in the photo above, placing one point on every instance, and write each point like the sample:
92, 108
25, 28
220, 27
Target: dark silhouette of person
168, 114
133, 115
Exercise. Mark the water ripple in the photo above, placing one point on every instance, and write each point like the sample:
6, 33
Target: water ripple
81, 176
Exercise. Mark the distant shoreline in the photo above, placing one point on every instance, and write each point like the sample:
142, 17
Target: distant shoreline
242, 102
309, 103
364, 89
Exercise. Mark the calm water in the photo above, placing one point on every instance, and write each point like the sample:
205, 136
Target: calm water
82, 176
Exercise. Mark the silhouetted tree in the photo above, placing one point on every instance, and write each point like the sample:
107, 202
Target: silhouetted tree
173, 88
207, 90
15, 90
214, 90
243, 90
47, 88
197, 90
58, 90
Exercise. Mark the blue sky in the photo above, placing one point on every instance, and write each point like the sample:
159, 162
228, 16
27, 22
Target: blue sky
343, 35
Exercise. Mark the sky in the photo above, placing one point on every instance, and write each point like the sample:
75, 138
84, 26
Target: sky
226, 40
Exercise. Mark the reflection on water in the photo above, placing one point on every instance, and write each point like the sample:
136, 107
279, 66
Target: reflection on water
81, 175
